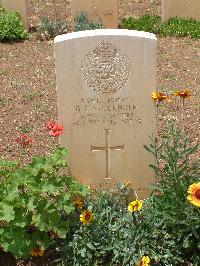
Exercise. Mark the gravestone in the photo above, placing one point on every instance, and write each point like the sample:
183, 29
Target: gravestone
103, 11
180, 8
16, 5
104, 83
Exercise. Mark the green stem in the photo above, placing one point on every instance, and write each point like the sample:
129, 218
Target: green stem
183, 115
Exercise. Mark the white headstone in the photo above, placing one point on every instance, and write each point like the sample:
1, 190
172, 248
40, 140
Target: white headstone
180, 8
97, 11
104, 83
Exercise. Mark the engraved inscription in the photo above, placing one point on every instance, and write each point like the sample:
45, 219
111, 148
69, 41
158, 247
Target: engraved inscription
107, 149
109, 111
106, 70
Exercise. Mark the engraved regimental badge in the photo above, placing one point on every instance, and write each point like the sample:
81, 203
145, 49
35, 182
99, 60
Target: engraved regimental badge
106, 69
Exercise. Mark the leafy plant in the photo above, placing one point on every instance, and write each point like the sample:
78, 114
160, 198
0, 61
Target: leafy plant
180, 27
173, 27
175, 219
11, 28
50, 29
144, 23
114, 237
166, 229
82, 23
33, 201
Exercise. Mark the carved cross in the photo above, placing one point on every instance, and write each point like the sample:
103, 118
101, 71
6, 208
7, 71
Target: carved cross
107, 149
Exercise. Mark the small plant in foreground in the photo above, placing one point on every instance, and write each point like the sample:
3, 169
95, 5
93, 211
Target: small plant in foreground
176, 220
50, 29
160, 230
82, 23
111, 235
11, 28
33, 202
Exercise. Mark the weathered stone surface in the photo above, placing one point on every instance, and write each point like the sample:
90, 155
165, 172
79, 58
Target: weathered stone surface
104, 83
103, 11
180, 8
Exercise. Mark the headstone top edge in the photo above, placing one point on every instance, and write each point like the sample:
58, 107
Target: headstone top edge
104, 32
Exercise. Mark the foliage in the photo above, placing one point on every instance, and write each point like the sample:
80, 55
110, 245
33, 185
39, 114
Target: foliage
11, 28
82, 23
175, 219
50, 29
33, 200
180, 27
166, 228
173, 27
144, 23
115, 237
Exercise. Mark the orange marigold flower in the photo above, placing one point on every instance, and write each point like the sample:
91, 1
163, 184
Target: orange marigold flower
23, 140
37, 252
194, 194
183, 93
86, 217
159, 96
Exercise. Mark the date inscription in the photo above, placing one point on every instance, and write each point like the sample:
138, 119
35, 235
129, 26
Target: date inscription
109, 111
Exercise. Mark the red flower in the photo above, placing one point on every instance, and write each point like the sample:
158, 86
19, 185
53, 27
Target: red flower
54, 129
24, 140
50, 125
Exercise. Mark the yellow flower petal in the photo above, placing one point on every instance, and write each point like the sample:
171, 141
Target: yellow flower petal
194, 194
145, 260
135, 205
86, 217
159, 96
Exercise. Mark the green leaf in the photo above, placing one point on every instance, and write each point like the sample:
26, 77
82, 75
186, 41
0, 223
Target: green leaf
31, 205
48, 187
90, 246
62, 229
17, 241
21, 218
6, 212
